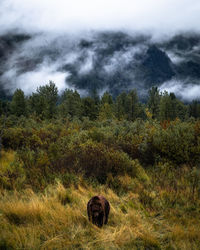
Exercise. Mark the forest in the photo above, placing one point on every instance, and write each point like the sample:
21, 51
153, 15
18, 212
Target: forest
58, 150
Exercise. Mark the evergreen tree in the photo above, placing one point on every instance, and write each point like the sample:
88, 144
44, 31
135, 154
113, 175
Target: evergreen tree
71, 104
168, 106
18, 103
5, 107
47, 97
94, 95
132, 105
106, 98
121, 106
194, 109
90, 108
141, 111
181, 110
36, 104
154, 102
106, 110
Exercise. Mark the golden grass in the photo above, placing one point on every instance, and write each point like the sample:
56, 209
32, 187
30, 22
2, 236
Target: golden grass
57, 219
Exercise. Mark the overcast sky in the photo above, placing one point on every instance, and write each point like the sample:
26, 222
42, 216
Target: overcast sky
161, 16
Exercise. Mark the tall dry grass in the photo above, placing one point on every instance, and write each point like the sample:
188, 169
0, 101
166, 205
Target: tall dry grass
57, 219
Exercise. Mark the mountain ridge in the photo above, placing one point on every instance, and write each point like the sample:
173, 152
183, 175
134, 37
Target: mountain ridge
112, 61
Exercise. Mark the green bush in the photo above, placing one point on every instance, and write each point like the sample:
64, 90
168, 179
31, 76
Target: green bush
177, 143
13, 177
13, 138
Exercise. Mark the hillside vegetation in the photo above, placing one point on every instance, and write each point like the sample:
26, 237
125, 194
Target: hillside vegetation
53, 162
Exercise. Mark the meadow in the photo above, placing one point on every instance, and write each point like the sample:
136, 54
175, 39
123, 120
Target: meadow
148, 171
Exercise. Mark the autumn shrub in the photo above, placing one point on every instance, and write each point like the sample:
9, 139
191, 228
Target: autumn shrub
177, 143
103, 134
60, 147
12, 174
13, 138
34, 142
91, 158
48, 134
130, 144
97, 160
36, 166
149, 172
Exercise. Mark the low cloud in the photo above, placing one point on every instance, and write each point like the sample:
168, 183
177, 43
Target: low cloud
175, 58
185, 92
57, 28
121, 59
29, 81
87, 65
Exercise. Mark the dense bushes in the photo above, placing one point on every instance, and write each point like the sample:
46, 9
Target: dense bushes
97, 149
177, 142
96, 160
148, 169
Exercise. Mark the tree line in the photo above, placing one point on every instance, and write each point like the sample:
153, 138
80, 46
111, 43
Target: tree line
46, 103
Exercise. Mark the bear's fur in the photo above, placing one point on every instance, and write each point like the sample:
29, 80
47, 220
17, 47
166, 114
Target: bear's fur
98, 209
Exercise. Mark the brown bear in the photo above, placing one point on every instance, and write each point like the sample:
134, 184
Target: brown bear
98, 209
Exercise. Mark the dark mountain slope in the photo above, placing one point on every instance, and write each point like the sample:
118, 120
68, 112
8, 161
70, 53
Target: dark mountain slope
113, 61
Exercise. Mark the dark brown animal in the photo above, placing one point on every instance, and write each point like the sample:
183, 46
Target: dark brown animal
98, 209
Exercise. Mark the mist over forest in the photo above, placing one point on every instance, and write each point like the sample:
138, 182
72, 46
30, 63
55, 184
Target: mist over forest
112, 61
100, 46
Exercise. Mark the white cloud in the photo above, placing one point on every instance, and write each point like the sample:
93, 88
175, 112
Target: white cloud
71, 16
78, 17
29, 81
88, 64
122, 58
186, 92
174, 57
39, 78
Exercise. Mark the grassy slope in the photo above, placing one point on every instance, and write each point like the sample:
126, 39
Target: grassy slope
160, 210
57, 219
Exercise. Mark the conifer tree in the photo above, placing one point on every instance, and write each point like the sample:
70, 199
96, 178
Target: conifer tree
106, 110
106, 98
132, 105
154, 102
18, 103
71, 104
47, 97
194, 109
168, 106
121, 106
90, 108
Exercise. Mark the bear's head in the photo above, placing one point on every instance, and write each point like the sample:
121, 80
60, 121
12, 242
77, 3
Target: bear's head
96, 207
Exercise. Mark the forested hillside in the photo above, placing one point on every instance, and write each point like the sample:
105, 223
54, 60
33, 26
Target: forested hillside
57, 151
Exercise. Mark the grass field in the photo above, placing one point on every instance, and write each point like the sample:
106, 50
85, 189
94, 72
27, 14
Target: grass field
57, 219
148, 171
